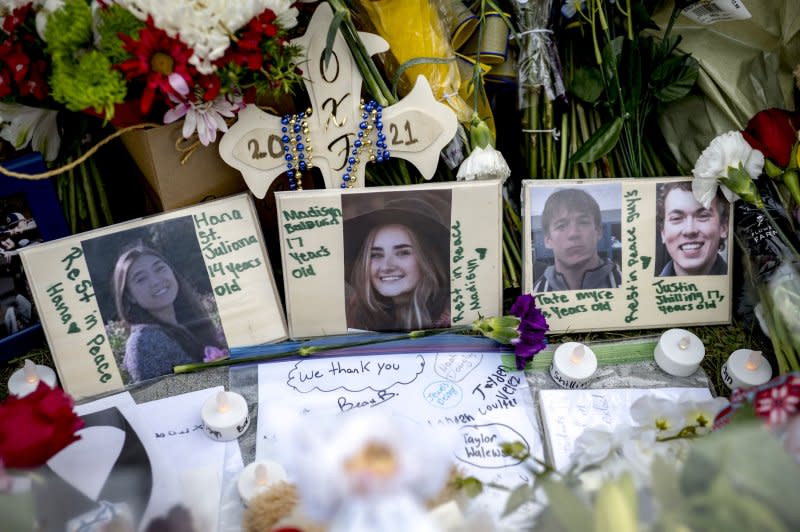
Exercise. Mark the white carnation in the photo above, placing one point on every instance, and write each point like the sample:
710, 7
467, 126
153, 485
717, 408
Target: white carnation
484, 163
727, 150
205, 25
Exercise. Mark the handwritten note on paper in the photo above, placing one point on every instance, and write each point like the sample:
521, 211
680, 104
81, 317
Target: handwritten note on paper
566, 413
470, 393
198, 461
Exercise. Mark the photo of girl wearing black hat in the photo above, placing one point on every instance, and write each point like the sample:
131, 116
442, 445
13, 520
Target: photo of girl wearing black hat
397, 249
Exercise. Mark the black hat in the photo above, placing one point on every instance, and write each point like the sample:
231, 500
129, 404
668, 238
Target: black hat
425, 212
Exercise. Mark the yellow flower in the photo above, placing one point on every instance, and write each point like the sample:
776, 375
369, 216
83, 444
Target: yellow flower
421, 36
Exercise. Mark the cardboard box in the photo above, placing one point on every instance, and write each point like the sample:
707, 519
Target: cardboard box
203, 176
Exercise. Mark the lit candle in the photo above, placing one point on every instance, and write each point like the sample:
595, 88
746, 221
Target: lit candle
258, 477
225, 416
745, 369
679, 352
26, 380
573, 365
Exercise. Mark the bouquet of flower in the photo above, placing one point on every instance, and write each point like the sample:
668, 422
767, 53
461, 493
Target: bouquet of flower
134, 61
617, 72
760, 166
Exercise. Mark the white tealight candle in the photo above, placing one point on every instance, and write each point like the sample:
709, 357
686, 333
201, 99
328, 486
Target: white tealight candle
745, 369
573, 365
679, 352
225, 416
258, 477
26, 380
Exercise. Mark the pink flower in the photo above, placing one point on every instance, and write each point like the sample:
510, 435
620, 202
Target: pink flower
204, 117
777, 404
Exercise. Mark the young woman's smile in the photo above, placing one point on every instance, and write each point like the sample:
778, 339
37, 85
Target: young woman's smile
394, 270
151, 283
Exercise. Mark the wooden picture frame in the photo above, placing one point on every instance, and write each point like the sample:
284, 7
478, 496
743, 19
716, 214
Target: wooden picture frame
38, 204
128, 302
455, 275
619, 276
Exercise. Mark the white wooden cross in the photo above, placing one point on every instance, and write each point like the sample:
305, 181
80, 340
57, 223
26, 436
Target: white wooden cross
416, 128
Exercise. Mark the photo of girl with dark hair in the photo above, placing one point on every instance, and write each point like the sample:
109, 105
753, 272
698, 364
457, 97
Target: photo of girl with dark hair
158, 308
168, 324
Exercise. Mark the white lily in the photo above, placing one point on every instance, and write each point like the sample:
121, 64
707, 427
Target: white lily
638, 453
728, 150
701, 414
656, 413
21, 125
594, 446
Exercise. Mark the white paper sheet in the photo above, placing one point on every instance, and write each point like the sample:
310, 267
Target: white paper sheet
197, 460
92, 467
470, 393
566, 413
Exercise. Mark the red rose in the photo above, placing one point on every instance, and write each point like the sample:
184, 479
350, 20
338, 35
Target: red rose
773, 132
35, 427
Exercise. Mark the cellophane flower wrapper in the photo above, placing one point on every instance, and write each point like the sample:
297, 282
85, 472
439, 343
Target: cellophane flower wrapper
414, 29
538, 64
773, 271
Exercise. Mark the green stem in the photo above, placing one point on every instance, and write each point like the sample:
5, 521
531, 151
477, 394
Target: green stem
94, 219
372, 77
307, 350
73, 202
562, 162
101, 192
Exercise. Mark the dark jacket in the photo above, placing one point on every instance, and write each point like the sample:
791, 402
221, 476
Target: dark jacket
607, 275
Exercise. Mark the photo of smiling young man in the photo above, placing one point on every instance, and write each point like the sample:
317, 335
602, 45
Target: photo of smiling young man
572, 230
693, 236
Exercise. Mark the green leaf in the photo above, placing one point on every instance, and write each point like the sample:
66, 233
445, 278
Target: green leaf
667, 68
471, 486
332, 31
518, 496
570, 511
755, 465
587, 84
600, 143
631, 68
681, 82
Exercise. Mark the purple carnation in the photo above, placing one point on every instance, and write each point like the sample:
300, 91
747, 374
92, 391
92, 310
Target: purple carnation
532, 329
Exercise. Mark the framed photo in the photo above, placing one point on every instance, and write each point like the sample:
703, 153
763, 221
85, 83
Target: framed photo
29, 214
126, 303
625, 253
390, 258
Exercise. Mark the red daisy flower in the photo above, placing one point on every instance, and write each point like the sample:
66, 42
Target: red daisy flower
156, 56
